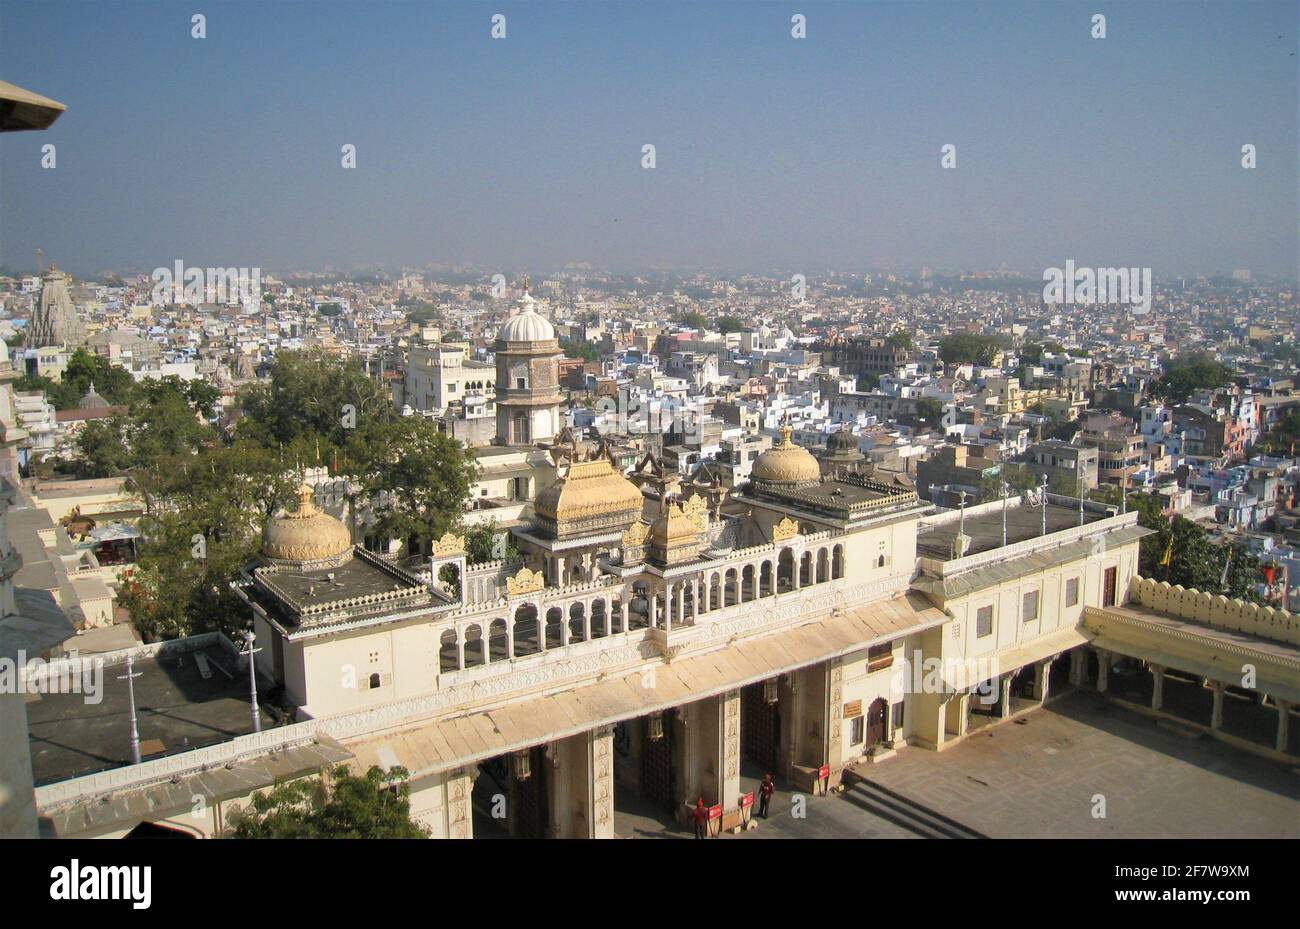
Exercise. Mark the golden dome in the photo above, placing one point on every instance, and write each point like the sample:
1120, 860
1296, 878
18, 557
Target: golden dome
307, 535
674, 535
672, 526
786, 463
590, 496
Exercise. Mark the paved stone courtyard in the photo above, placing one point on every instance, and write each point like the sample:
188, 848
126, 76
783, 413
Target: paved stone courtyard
1038, 779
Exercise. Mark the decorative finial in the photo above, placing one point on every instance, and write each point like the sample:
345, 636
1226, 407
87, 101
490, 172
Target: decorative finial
525, 283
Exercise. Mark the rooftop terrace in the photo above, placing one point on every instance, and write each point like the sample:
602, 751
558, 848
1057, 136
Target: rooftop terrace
984, 526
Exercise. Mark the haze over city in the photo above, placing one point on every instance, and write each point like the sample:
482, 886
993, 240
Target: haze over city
772, 154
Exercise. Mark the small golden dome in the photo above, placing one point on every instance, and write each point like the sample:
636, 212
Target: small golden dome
307, 535
672, 526
786, 463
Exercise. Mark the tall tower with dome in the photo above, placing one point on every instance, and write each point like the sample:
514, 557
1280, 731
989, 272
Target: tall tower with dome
528, 377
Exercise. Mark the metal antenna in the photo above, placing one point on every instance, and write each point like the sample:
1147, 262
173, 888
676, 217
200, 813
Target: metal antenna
130, 677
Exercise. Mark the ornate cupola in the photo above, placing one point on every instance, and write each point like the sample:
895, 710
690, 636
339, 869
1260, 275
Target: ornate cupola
308, 539
786, 464
677, 533
590, 496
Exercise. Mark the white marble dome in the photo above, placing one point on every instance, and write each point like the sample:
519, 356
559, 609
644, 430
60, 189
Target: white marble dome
527, 326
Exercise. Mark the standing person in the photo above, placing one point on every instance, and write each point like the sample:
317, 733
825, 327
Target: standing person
765, 791
701, 816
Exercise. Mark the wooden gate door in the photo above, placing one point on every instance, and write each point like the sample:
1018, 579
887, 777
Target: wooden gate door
876, 721
657, 777
761, 729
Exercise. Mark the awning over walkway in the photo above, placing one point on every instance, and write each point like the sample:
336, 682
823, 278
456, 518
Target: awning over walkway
1206, 651
475, 737
968, 674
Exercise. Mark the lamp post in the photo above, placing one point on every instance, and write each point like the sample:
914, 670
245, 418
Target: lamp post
1079, 459
252, 681
130, 676
1043, 495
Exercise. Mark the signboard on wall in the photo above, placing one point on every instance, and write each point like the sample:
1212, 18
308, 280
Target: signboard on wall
853, 709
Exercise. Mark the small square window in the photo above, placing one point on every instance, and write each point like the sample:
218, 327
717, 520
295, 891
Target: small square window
856, 731
1030, 610
984, 622
1072, 592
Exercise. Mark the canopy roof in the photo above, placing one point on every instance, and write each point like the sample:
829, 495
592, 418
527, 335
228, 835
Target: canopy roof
21, 109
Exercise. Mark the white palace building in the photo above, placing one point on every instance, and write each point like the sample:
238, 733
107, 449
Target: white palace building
663, 640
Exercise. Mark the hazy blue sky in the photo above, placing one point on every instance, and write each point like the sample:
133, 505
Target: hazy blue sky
773, 153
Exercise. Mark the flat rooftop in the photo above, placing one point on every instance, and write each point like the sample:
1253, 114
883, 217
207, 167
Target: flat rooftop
985, 529
177, 709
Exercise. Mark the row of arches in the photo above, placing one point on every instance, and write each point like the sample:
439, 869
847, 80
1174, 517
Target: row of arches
528, 632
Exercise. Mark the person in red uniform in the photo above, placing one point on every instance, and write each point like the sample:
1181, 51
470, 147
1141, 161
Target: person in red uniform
701, 817
765, 791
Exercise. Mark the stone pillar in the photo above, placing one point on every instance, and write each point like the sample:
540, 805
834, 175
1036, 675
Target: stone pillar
834, 716
1004, 696
1078, 665
581, 787
1103, 669
963, 713
586, 623
601, 783
460, 650
695, 600
564, 626
1157, 686
1042, 676
1283, 725
729, 753
941, 727
680, 612
459, 803
17, 798
1216, 714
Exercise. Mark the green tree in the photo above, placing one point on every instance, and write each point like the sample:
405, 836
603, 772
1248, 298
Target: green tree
868, 381
929, 410
584, 350
161, 424
1184, 376
899, 339
729, 324
1284, 435
694, 320
312, 399
422, 475
480, 542
963, 348
376, 805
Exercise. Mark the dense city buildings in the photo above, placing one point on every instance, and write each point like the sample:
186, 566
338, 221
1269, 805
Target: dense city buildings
711, 552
